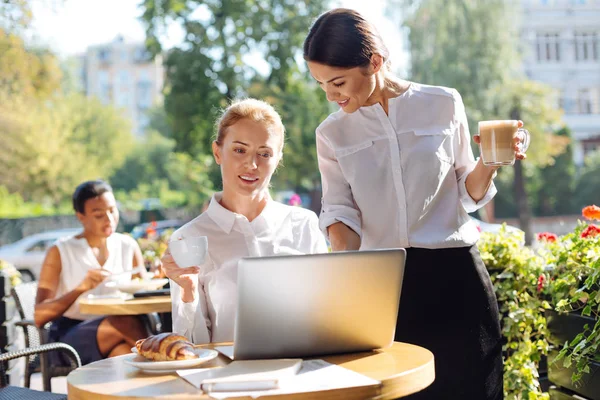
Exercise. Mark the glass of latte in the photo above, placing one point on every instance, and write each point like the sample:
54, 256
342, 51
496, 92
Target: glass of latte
497, 141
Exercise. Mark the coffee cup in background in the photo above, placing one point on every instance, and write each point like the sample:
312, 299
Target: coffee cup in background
496, 141
189, 251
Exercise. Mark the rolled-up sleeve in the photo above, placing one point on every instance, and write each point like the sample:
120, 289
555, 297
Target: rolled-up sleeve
338, 202
318, 244
464, 161
191, 319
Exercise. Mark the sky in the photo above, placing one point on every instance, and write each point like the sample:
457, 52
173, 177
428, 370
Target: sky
68, 27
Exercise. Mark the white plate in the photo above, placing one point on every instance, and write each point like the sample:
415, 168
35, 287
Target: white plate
136, 286
143, 363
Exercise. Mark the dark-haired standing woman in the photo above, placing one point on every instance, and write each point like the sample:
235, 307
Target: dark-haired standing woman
398, 171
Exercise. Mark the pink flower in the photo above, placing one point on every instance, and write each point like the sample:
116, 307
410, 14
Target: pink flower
295, 200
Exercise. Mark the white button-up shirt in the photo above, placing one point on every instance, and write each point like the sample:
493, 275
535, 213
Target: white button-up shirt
399, 180
279, 229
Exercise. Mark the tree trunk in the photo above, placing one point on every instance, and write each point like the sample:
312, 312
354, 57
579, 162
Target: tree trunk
522, 203
521, 194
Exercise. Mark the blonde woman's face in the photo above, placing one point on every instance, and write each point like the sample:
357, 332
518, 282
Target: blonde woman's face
248, 157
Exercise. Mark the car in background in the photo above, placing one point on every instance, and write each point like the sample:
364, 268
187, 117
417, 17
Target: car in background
285, 196
27, 254
494, 228
141, 231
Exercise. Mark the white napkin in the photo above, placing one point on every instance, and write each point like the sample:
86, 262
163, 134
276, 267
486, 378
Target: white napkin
242, 375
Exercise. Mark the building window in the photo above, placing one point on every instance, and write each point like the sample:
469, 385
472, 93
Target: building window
586, 46
104, 55
124, 79
584, 100
122, 100
590, 145
104, 87
142, 55
548, 47
143, 123
144, 94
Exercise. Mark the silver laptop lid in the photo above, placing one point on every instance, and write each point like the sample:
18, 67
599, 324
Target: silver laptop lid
303, 305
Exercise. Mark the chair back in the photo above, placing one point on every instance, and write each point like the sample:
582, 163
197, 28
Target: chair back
24, 295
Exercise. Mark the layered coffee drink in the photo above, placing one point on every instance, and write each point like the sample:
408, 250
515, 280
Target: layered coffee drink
497, 141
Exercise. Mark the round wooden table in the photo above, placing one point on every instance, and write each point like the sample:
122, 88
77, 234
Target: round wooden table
402, 369
142, 305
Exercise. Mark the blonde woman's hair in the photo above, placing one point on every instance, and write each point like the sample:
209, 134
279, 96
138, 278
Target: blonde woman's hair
253, 109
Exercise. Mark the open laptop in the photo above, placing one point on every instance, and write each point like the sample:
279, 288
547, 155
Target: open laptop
307, 305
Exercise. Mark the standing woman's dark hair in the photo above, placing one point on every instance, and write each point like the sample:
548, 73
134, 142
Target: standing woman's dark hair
343, 38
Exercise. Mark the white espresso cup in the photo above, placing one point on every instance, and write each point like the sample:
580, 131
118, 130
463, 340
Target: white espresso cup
189, 251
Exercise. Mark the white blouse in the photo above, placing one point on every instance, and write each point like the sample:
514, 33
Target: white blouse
279, 229
77, 257
399, 180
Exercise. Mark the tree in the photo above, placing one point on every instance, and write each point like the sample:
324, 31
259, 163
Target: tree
468, 45
14, 14
25, 72
473, 46
587, 191
51, 146
223, 40
146, 162
556, 194
153, 170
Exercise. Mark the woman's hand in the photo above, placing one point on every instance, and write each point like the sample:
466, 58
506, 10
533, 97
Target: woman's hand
184, 277
518, 142
93, 278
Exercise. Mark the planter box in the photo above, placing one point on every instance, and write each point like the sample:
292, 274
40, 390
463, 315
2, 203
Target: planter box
558, 394
589, 386
564, 327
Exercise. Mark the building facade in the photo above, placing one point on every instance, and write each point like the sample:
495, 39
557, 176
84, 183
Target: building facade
562, 49
127, 76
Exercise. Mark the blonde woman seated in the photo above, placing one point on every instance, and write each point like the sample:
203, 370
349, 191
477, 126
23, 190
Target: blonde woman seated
240, 221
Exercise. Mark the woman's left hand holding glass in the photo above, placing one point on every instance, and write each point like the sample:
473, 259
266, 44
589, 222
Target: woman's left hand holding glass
521, 143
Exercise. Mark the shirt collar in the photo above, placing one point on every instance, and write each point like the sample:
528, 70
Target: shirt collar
222, 216
225, 219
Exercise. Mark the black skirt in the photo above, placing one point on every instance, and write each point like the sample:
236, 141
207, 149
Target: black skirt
448, 306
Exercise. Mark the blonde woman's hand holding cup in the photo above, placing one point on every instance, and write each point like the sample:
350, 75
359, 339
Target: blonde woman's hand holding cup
181, 264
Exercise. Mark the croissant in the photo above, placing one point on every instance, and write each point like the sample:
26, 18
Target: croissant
166, 347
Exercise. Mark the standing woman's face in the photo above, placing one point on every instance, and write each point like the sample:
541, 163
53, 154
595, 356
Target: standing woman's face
248, 157
349, 87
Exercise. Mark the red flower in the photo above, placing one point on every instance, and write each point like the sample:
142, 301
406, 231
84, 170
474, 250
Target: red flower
547, 237
591, 212
540, 284
590, 231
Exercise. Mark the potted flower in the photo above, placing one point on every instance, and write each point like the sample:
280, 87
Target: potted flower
571, 285
515, 271
153, 247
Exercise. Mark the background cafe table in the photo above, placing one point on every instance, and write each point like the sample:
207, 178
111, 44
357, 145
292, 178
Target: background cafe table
139, 306
402, 369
